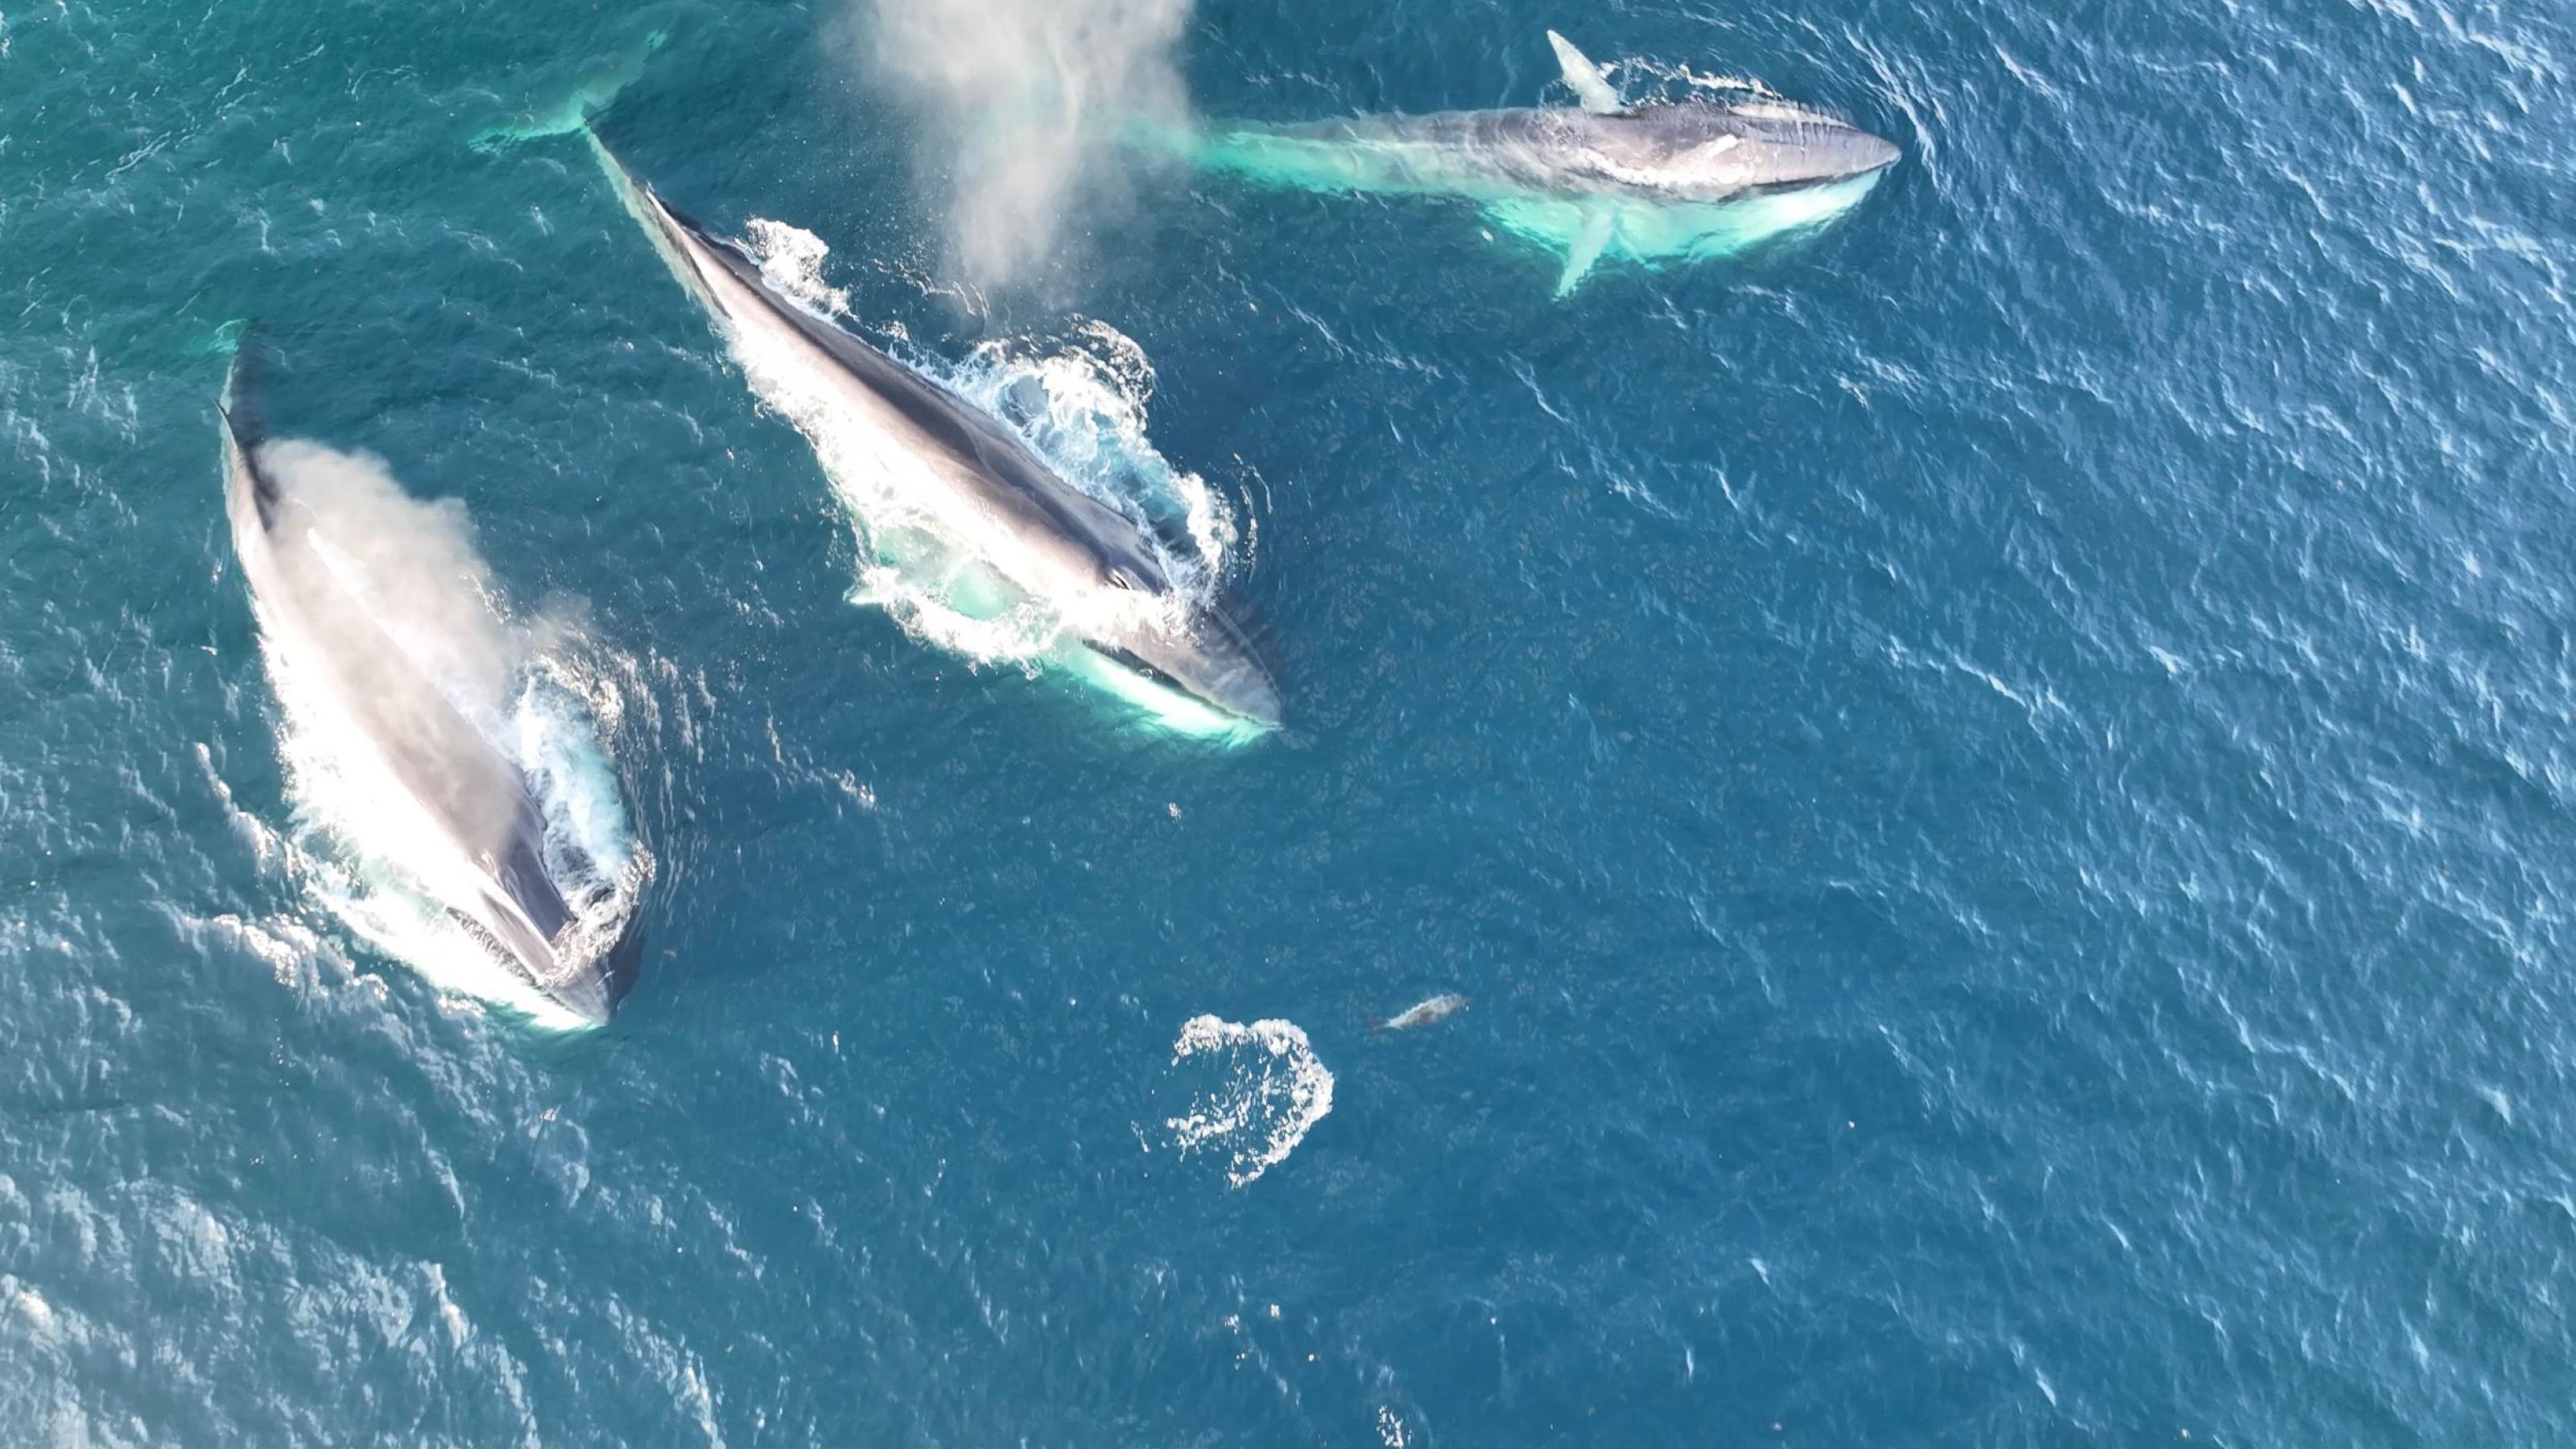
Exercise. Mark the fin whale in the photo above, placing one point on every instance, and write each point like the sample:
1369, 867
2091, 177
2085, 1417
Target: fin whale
1675, 181
484, 862
984, 489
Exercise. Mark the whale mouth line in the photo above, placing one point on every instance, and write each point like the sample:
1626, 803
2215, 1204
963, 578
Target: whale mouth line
696, 273
616, 968
1260, 714
1809, 183
1127, 658
516, 964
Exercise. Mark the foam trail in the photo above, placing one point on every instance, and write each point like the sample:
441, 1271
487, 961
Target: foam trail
1027, 96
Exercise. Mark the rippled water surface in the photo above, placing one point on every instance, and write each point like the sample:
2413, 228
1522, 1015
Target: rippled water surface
1998, 779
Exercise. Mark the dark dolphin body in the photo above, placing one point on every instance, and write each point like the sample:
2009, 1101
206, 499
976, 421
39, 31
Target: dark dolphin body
487, 864
982, 488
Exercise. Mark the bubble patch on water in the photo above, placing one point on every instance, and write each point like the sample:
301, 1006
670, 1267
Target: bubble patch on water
1268, 1091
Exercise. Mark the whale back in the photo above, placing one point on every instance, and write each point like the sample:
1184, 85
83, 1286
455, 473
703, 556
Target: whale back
1014, 481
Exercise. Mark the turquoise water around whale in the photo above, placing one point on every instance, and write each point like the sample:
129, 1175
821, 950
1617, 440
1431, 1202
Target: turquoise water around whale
1998, 779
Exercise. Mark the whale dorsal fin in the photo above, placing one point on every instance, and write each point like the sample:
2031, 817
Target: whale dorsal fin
1589, 86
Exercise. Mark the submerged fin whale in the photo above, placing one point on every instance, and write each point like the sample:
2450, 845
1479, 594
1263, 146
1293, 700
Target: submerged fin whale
483, 859
982, 488
1678, 181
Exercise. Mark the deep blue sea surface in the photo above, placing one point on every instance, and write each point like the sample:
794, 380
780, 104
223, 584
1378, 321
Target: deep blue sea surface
1999, 778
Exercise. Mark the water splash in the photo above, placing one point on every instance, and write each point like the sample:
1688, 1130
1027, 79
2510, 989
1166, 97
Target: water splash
791, 259
1270, 1091
591, 848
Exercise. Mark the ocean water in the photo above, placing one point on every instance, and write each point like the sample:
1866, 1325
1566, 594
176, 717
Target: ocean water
1998, 778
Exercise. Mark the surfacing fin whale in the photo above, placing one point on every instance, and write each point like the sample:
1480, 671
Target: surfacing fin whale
971, 480
478, 846
1682, 181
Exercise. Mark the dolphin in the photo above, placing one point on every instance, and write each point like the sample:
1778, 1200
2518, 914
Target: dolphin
1682, 180
1430, 1011
980, 488
479, 852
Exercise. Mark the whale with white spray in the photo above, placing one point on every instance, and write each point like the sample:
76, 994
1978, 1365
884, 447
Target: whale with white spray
455, 813
1681, 181
937, 466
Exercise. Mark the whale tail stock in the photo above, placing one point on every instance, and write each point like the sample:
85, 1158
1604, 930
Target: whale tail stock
568, 105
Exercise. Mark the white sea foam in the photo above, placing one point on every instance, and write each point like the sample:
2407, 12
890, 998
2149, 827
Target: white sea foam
32, 1305
1267, 1091
591, 849
1081, 408
791, 259
284, 945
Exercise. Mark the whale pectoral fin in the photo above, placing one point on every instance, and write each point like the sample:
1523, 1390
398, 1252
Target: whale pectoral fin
1582, 230
1589, 85
1586, 246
